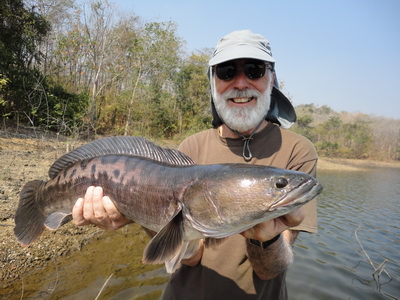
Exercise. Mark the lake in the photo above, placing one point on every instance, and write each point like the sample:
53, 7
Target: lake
355, 207
357, 210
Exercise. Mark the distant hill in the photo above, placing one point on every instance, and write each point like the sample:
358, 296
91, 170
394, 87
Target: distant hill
349, 135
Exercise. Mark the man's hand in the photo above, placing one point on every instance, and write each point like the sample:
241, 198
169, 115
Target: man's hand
99, 210
268, 230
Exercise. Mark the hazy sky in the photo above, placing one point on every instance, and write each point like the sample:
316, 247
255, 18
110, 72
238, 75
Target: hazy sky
342, 53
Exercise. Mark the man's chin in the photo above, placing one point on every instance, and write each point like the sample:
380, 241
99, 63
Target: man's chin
242, 127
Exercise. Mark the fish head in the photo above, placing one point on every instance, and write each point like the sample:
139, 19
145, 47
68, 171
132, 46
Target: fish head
239, 196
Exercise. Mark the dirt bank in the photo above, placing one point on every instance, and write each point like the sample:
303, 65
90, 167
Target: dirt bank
341, 164
24, 156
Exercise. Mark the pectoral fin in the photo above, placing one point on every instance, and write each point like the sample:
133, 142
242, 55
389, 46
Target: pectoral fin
166, 243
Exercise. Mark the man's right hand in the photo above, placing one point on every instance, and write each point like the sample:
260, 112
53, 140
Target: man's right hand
97, 209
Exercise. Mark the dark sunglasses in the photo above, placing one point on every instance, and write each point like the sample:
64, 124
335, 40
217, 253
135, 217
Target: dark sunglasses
253, 69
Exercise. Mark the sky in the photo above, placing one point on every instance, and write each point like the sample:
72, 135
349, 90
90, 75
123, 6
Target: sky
340, 53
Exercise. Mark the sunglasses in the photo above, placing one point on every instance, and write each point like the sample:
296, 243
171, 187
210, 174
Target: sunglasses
253, 69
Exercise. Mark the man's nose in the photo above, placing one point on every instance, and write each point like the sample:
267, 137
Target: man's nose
241, 81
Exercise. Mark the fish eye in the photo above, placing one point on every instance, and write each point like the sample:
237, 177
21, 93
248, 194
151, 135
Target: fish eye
281, 182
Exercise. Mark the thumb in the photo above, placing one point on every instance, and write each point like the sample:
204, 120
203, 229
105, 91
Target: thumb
294, 218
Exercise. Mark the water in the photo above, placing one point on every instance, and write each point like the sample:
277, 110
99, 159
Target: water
355, 207
328, 265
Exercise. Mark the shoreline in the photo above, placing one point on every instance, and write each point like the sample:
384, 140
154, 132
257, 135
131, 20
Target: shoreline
346, 164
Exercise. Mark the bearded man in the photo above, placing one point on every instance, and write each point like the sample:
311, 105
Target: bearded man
250, 118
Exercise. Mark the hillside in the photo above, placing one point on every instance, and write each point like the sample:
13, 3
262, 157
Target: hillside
349, 135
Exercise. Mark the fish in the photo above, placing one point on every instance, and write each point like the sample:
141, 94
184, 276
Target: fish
164, 191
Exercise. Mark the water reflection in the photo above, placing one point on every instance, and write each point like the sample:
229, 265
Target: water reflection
332, 264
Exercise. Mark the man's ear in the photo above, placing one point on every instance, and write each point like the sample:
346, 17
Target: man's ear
273, 79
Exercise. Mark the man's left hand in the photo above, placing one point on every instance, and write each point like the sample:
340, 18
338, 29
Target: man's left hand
268, 230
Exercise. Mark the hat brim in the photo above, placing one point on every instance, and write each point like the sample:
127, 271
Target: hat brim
240, 51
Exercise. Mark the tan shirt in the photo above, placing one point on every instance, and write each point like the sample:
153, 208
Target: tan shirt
224, 271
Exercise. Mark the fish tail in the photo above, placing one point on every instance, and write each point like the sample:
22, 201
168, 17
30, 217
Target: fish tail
29, 218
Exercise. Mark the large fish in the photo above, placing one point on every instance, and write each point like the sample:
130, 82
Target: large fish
164, 191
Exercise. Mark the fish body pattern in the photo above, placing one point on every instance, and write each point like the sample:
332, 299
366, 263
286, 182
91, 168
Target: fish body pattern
164, 191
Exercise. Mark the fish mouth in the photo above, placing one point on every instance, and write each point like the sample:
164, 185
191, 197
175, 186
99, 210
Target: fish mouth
304, 192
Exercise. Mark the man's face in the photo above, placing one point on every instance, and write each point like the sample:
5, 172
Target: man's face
242, 102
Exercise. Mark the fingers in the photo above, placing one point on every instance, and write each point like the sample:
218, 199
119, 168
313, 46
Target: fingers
97, 209
110, 209
77, 213
294, 218
268, 230
86, 210
93, 208
115, 218
264, 231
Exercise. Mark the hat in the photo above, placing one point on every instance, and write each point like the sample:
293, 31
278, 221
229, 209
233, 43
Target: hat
246, 44
242, 44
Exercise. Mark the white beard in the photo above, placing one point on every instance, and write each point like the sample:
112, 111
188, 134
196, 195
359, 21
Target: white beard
242, 119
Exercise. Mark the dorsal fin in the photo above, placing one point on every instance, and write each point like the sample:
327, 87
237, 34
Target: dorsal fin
126, 145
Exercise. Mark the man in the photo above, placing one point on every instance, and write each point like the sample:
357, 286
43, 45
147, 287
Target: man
249, 113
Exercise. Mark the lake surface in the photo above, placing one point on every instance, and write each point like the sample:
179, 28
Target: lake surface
355, 207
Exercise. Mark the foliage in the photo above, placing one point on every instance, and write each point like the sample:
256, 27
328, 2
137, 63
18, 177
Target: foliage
3, 83
193, 98
21, 31
349, 135
67, 111
85, 70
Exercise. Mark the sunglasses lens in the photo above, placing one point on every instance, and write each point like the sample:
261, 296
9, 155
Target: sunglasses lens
254, 69
226, 71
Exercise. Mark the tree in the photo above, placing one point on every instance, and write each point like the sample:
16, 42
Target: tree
357, 139
58, 14
303, 126
153, 58
97, 28
3, 102
193, 99
21, 32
